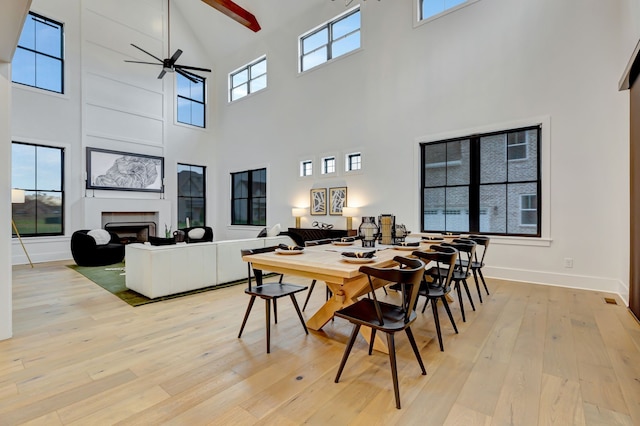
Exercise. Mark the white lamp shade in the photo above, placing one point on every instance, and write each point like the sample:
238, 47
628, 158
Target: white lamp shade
17, 196
349, 211
298, 212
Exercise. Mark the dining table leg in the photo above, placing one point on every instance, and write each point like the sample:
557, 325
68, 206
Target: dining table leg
345, 295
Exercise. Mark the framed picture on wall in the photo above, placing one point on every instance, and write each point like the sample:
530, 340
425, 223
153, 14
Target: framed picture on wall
318, 202
124, 171
337, 200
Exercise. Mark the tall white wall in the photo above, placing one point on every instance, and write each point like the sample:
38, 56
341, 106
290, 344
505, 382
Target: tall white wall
488, 65
110, 104
6, 297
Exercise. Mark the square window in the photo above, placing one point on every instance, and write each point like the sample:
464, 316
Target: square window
306, 168
353, 162
328, 165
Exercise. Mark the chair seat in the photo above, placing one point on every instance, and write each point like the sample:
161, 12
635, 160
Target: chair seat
274, 290
363, 312
474, 265
432, 290
457, 275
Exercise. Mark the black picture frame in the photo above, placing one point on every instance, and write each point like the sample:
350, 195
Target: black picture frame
124, 171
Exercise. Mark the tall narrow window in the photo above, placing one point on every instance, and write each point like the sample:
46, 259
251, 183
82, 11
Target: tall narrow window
191, 100
192, 200
249, 197
472, 184
248, 79
38, 60
39, 171
331, 40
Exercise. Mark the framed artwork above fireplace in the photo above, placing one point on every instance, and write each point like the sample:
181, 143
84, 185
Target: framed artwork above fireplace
124, 171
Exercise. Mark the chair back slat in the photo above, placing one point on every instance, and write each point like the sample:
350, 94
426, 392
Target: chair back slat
466, 248
445, 258
408, 275
481, 240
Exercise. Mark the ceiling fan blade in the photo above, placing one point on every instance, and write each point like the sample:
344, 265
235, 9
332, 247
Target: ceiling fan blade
140, 62
185, 67
141, 49
162, 73
188, 76
175, 56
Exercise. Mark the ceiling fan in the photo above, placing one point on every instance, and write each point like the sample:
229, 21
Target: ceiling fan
169, 64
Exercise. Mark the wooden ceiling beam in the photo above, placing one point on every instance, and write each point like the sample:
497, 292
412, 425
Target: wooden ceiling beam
236, 13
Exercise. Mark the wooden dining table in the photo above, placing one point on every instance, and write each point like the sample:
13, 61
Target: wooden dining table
344, 279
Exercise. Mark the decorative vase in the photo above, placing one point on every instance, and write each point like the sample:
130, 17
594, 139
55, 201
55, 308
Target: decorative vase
368, 231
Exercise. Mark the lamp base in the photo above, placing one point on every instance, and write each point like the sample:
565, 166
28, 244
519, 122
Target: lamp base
297, 222
349, 223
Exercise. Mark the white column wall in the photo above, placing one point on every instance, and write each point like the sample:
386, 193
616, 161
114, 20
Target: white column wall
6, 297
491, 63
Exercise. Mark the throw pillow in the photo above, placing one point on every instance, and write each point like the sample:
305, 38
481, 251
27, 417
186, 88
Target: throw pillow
274, 231
196, 234
101, 236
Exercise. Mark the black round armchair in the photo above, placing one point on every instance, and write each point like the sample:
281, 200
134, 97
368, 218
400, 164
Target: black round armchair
87, 252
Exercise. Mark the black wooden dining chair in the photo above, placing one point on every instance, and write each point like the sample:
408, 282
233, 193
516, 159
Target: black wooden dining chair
313, 283
440, 284
269, 292
478, 261
466, 250
386, 317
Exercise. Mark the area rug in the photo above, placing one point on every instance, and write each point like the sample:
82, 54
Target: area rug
112, 279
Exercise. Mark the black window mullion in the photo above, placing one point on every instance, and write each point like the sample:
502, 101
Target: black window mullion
474, 185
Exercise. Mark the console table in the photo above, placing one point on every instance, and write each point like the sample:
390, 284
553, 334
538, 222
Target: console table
300, 235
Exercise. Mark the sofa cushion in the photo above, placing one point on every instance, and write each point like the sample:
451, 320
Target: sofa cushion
101, 236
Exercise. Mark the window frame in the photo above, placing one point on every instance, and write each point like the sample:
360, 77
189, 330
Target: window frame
303, 168
53, 23
36, 190
202, 80
262, 221
191, 197
474, 196
348, 163
250, 77
330, 41
324, 165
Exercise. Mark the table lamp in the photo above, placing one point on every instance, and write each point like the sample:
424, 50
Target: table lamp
17, 197
298, 212
349, 213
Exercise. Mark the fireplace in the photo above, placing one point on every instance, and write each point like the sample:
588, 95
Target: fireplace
131, 227
132, 232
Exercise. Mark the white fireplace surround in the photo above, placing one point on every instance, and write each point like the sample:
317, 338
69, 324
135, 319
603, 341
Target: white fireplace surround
94, 207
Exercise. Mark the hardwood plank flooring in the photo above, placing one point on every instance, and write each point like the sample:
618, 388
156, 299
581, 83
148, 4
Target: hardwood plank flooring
530, 354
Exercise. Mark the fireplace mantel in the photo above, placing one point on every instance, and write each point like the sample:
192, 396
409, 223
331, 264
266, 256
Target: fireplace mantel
93, 208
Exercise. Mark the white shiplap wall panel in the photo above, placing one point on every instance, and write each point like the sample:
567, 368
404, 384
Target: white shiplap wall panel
121, 96
121, 125
146, 17
110, 64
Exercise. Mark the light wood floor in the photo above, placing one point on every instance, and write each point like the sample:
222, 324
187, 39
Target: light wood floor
530, 355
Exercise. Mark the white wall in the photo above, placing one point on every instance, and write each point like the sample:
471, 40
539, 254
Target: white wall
110, 104
6, 297
487, 65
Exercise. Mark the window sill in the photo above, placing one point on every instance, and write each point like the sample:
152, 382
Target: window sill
521, 241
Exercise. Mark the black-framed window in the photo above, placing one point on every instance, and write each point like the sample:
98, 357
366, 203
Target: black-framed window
191, 100
249, 197
328, 165
306, 168
248, 79
38, 59
353, 162
473, 184
38, 170
331, 40
192, 201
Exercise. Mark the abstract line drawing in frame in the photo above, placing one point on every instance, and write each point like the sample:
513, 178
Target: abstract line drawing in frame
124, 171
318, 202
337, 200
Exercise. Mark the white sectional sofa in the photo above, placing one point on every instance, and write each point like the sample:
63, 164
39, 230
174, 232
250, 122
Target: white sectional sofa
156, 271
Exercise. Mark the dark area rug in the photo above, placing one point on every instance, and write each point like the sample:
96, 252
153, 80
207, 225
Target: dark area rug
112, 279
